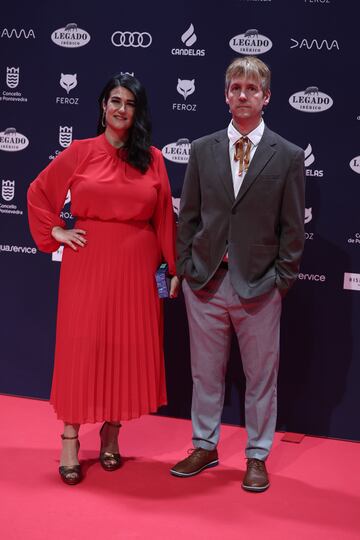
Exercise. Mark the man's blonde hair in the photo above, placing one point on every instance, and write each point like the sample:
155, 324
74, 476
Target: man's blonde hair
251, 68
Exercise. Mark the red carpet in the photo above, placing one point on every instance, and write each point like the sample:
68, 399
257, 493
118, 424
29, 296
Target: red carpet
315, 491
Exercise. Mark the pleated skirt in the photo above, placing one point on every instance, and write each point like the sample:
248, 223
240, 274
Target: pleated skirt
109, 340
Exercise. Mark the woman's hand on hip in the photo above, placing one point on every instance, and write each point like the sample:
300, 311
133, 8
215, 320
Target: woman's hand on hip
70, 237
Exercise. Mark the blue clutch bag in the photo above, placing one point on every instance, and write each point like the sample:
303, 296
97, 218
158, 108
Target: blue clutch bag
163, 281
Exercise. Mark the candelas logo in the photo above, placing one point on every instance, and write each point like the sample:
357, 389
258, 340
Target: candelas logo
12, 141
355, 164
311, 100
71, 36
250, 42
178, 152
188, 38
309, 159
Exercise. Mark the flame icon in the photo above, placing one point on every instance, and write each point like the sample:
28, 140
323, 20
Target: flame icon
309, 156
189, 37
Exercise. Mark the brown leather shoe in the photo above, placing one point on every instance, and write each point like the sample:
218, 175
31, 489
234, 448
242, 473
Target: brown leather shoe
198, 460
256, 477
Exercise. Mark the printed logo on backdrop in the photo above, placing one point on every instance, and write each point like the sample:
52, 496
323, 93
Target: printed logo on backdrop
307, 218
318, 278
250, 42
65, 212
65, 136
188, 38
309, 160
318, 2
12, 141
56, 256
17, 34
176, 206
355, 164
70, 36
314, 44
177, 152
311, 100
351, 281
141, 40
12, 76
12, 82
25, 250
8, 194
68, 81
185, 87
354, 239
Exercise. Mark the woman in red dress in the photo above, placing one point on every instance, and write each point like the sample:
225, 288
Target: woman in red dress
108, 357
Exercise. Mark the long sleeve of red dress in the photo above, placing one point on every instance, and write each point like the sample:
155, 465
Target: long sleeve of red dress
46, 196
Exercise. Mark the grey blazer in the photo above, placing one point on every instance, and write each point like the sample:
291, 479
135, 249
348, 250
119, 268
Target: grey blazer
262, 229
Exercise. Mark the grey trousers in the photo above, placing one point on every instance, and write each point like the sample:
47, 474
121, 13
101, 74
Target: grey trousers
212, 312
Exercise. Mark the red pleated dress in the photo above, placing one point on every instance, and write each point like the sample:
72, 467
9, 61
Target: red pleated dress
109, 338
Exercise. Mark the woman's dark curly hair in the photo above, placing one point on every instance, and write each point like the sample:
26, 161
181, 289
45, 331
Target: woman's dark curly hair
138, 143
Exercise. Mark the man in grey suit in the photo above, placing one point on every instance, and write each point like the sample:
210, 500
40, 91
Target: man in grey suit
240, 240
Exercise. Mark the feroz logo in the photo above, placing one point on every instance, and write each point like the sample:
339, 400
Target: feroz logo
315, 44
308, 215
309, 160
185, 87
310, 100
7, 190
189, 37
65, 135
12, 141
178, 152
12, 76
351, 281
250, 42
22, 33
71, 36
68, 81
355, 164
131, 39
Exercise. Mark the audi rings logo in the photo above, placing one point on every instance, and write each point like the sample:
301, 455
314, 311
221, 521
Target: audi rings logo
131, 39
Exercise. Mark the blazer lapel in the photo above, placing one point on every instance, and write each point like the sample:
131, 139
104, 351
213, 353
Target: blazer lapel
221, 155
263, 154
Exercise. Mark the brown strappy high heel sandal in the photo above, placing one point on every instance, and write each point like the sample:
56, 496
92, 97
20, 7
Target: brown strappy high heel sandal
110, 461
70, 474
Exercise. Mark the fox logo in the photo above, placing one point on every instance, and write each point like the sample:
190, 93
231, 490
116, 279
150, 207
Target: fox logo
68, 81
308, 215
185, 87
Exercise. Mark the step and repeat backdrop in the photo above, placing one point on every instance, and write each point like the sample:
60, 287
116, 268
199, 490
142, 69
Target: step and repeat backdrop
54, 61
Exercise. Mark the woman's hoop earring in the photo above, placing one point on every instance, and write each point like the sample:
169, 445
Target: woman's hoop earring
103, 122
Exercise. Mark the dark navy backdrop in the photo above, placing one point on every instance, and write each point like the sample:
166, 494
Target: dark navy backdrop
180, 50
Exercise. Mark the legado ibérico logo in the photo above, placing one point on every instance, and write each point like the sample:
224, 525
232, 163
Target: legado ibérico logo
355, 164
178, 152
71, 36
311, 100
250, 42
12, 141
